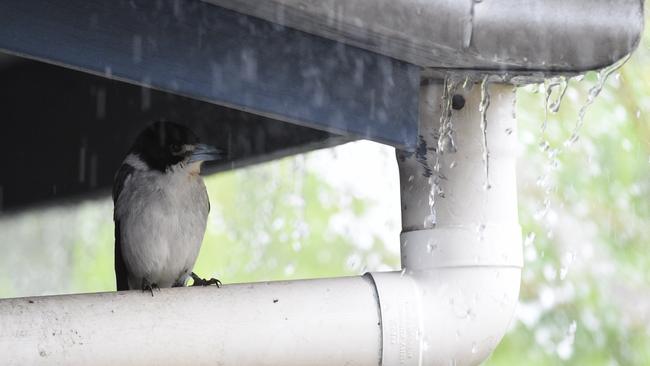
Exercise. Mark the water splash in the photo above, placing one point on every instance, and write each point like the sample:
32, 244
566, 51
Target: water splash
480, 229
530, 239
354, 262
289, 269
565, 347
483, 107
566, 264
431, 246
430, 220
514, 105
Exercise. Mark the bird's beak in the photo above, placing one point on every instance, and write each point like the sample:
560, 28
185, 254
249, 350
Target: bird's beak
203, 152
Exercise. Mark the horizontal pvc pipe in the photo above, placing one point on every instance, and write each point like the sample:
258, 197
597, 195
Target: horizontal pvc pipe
311, 322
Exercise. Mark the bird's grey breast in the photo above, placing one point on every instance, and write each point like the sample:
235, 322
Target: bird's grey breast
163, 216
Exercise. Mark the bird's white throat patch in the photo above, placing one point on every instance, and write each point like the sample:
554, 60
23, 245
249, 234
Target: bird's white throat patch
193, 169
135, 161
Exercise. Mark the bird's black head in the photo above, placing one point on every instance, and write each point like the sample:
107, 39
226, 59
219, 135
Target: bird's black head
165, 144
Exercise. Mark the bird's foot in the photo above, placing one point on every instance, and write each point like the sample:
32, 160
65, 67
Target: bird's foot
148, 286
198, 281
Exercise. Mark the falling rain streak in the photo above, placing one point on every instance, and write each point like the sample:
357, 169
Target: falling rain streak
93, 171
137, 49
82, 161
101, 103
145, 98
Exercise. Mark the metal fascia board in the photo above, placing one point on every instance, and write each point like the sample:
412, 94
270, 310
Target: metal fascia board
206, 52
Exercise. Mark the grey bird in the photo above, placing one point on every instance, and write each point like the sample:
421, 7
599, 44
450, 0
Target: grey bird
160, 209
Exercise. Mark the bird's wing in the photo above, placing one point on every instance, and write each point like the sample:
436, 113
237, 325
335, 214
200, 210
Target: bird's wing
121, 273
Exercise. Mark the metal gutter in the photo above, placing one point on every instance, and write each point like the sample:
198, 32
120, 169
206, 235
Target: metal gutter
551, 36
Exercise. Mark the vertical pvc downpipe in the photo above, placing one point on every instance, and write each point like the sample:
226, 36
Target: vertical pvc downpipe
457, 293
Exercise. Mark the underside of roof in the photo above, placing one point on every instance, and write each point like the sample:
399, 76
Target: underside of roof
259, 79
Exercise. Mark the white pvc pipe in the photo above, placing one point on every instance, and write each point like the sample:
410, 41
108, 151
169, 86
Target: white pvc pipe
457, 294
449, 306
313, 322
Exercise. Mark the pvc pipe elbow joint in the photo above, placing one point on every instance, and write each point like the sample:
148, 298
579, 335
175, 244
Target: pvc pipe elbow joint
455, 301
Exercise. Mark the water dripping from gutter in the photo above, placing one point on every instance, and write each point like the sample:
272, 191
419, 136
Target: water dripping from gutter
483, 107
553, 105
446, 142
591, 97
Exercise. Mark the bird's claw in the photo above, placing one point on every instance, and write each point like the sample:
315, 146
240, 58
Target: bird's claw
198, 281
148, 286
